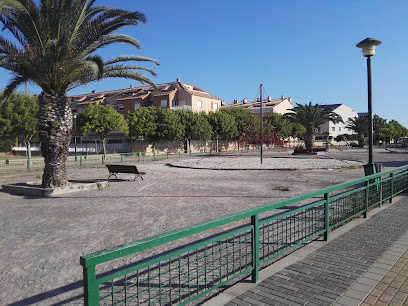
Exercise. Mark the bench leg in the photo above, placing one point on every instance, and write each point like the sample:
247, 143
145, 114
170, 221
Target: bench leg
112, 174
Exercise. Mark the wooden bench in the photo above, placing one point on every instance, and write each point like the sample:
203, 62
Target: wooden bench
115, 169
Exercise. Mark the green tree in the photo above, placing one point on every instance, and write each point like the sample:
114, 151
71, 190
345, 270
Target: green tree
310, 117
195, 125
223, 125
142, 123
169, 127
400, 130
155, 125
243, 118
379, 124
54, 45
101, 120
18, 118
359, 125
281, 126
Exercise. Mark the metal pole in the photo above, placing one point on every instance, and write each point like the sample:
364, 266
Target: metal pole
260, 89
370, 114
75, 139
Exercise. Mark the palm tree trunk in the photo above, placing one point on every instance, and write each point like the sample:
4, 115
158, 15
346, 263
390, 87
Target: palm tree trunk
55, 123
309, 141
360, 140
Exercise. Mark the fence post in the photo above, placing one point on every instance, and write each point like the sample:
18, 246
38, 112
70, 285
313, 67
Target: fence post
255, 248
138, 156
80, 160
121, 157
392, 186
326, 216
91, 288
367, 197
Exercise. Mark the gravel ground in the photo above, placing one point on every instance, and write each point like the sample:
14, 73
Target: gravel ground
42, 239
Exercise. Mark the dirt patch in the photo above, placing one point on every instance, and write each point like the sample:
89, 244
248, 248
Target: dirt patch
42, 239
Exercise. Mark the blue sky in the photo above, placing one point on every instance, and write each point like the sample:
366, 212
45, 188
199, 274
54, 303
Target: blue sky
300, 49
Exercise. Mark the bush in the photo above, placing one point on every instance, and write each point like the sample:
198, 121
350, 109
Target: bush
5, 146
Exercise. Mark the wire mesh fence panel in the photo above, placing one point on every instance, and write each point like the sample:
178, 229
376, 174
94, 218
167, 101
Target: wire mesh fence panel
182, 277
283, 234
386, 189
343, 207
400, 182
375, 194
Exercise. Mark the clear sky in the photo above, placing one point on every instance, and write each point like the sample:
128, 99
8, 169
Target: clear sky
303, 49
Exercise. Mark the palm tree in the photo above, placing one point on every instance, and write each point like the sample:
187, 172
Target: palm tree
360, 126
53, 45
310, 117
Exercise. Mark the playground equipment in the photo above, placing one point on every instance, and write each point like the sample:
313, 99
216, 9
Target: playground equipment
252, 136
336, 147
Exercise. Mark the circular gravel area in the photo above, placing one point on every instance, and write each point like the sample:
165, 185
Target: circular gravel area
268, 163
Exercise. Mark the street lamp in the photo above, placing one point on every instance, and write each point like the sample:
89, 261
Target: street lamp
75, 131
368, 45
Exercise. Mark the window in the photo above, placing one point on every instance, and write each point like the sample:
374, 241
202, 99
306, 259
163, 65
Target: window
215, 106
137, 105
333, 128
174, 103
199, 103
79, 110
163, 103
120, 107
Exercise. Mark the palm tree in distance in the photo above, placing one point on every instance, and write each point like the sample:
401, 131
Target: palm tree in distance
53, 45
360, 126
310, 117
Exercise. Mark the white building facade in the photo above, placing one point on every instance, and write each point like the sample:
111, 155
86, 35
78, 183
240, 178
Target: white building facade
336, 129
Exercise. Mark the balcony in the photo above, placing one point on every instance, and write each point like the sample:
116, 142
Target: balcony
186, 107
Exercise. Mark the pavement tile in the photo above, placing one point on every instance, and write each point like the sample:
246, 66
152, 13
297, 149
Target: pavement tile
385, 297
371, 300
345, 300
396, 302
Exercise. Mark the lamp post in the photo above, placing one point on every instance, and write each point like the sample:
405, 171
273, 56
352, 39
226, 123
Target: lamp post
368, 45
75, 131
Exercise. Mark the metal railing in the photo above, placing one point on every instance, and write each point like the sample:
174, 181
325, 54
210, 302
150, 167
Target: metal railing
37, 163
180, 272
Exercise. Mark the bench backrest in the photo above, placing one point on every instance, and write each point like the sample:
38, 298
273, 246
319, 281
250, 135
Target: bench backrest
123, 168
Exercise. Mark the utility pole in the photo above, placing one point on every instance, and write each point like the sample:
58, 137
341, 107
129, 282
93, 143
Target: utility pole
260, 89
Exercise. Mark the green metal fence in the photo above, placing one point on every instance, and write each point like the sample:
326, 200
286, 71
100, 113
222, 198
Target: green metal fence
37, 163
178, 274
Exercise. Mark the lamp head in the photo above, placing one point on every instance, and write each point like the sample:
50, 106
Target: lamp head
368, 46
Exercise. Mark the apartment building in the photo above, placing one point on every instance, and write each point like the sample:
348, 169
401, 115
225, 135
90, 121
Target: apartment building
174, 95
335, 129
269, 105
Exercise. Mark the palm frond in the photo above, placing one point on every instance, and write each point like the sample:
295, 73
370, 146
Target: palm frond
131, 58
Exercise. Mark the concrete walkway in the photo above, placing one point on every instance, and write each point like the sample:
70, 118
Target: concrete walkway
364, 263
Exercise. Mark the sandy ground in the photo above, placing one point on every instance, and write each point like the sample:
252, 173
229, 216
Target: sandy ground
42, 239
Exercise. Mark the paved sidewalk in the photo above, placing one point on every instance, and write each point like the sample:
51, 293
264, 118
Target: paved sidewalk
366, 265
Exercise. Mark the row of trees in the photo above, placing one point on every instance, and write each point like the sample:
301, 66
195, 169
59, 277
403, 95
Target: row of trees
18, 120
156, 125
383, 131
